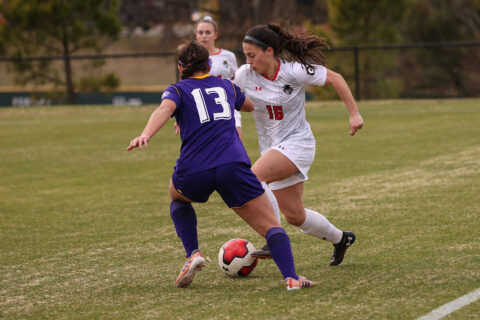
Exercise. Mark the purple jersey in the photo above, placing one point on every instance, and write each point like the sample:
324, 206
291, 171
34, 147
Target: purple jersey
207, 127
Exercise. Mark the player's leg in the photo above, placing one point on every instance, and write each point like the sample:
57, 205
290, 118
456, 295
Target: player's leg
184, 219
264, 252
259, 215
309, 221
273, 165
270, 166
285, 167
242, 192
182, 191
312, 222
273, 200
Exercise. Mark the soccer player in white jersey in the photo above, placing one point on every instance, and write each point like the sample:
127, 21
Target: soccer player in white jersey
279, 67
224, 64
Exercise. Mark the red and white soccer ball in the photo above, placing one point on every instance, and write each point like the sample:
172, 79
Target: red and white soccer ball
235, 258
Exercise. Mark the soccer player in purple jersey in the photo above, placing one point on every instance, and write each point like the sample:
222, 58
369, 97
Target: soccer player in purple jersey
212, 157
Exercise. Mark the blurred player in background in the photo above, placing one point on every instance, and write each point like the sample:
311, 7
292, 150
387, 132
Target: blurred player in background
279, 67
212, 157
224, 63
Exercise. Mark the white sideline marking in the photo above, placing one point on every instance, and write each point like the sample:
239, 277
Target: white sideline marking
452, 306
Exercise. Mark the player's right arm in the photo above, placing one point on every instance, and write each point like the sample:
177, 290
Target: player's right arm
247, 105
157, 120
241, 76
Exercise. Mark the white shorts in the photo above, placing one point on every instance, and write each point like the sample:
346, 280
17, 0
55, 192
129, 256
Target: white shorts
238, 118
302, 155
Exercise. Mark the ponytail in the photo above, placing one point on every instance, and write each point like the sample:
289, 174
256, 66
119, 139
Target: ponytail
304, 48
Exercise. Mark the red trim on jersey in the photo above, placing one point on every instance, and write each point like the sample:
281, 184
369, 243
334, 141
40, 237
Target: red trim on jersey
276, 73
214, 54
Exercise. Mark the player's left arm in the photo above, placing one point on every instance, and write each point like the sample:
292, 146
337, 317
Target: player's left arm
233, 65
343, 91
157, 120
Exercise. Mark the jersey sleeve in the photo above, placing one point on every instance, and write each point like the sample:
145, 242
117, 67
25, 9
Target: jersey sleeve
312, 75
172, 93
239, 97
241, 76
232, 62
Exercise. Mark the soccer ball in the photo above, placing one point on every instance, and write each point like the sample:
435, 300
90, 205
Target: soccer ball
235, 258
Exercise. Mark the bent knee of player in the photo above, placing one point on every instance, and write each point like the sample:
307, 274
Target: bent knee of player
294, 217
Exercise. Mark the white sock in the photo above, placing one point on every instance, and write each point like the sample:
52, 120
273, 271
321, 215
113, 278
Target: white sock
273, 201
317, 225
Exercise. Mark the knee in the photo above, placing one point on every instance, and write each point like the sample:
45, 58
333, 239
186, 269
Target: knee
294, 218
176, 204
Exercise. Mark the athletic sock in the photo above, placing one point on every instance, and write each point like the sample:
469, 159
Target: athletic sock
317, 225
273, 201
281, 251
185, 222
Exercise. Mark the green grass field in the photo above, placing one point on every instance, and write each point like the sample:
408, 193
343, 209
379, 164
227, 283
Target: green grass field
85, 230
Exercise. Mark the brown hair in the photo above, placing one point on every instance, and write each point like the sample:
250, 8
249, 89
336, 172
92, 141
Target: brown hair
193, 57
207, 19
304, 48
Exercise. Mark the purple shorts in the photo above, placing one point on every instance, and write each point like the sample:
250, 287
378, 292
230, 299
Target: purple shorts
235, 182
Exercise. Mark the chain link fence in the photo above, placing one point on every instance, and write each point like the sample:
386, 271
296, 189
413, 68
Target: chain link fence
397, 71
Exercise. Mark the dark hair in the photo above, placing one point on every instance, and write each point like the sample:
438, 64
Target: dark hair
193, 57
304, 48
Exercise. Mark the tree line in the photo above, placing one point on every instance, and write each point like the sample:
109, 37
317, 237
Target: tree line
65, 28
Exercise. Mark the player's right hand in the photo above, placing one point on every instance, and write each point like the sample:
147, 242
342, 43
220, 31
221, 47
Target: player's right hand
138, 142
177, 128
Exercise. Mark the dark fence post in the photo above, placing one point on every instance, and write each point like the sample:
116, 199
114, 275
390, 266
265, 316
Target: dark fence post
357, 73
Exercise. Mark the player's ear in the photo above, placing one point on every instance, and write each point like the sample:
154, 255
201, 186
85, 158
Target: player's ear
270, 52
215, 37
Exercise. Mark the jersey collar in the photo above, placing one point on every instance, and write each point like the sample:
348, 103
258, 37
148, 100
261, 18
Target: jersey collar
200, 77
276, 73
216, 53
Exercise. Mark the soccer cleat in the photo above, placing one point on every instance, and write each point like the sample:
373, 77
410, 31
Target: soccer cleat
301, 283
194, 264
263, 253
340, 248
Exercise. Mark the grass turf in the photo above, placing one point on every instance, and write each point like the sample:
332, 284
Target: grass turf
85, 230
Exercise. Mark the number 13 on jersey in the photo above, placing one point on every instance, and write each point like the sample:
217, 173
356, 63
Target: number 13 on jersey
221, 99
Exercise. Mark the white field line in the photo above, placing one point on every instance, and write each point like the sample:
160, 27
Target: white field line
452, 306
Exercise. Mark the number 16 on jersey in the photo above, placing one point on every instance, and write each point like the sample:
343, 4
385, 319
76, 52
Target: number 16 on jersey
275, 112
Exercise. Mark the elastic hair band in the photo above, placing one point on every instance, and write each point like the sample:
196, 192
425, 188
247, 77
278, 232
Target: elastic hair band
209, 62
256, 41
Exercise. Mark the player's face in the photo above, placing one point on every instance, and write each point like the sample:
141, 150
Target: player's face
258, 59
206, 34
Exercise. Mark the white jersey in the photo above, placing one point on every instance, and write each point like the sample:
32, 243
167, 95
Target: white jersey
280, 102
224, 64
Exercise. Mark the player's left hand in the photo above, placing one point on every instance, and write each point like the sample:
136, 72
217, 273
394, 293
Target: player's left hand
356, 123
138, 142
